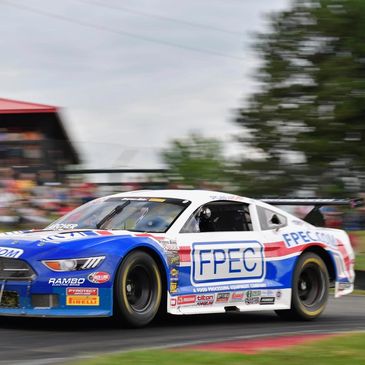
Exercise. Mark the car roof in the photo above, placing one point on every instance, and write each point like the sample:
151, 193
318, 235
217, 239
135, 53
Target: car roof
199, 197
184, 194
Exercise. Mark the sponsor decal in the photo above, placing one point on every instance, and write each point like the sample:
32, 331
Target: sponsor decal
222, 298
157, 200
302, 237
12, 253
253, 293
66, 281
278, 294
174, 272
227, 262
226, 197
173, 302
229, 287
173, 258
172, 252
82, 300
252, 300
61, 226
173, 286
237, 297
169, 245
268, 293
67, 236
267, 300
186, 300
15, 233
205, 299
82, 291
99, 277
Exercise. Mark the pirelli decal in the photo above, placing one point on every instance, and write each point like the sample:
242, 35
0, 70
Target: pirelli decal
82, 296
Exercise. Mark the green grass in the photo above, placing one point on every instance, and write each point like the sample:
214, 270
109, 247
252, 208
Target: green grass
360, 262
340, 350
358, 292
360, 250
354, 292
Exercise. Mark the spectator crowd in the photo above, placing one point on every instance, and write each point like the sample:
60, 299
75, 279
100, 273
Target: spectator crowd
33, 200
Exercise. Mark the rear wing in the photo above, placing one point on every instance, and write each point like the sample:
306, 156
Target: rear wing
315, 216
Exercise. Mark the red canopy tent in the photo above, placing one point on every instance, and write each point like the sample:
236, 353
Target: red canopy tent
33, 136
8, 106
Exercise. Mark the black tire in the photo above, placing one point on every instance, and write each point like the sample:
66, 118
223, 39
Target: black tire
137, 290
309, 289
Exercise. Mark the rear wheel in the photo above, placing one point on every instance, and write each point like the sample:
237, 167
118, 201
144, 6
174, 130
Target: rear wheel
138, 290
309, 290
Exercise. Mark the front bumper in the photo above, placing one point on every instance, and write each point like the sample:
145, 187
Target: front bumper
96, 303
53, 313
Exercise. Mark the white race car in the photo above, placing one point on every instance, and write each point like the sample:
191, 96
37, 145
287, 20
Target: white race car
181, 251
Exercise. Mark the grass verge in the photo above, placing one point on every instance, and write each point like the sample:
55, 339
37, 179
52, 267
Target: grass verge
360, 250
339, 350
358, 292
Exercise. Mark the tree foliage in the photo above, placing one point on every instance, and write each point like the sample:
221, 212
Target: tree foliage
308, 117
195, 160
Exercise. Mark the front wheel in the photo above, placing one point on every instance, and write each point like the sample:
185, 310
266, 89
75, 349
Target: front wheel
309, 288
138, 290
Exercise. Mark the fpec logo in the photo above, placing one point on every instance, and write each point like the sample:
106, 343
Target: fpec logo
227, 262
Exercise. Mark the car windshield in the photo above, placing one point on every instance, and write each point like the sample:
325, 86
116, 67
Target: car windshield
154, 215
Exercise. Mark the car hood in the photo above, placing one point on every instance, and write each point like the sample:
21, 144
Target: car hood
24, 244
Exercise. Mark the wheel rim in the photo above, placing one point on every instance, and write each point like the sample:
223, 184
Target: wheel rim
311, 286
139, 288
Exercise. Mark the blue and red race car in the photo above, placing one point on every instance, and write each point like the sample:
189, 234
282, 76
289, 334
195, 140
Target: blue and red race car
134, 254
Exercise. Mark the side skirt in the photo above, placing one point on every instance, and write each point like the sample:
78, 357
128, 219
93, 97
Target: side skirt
246, 301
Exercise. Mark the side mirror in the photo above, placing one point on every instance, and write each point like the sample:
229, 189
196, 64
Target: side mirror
275, 220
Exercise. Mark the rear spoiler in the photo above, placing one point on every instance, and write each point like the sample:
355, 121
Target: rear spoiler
315, 216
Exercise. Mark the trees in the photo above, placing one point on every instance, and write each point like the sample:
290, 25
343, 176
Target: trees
308, 117
195, 161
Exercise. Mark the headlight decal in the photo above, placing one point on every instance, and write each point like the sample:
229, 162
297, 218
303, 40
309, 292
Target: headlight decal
66, 265
92, 263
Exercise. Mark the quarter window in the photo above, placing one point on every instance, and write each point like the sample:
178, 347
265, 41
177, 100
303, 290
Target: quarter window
270, 219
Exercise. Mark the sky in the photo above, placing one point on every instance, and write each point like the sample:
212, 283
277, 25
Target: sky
132, 75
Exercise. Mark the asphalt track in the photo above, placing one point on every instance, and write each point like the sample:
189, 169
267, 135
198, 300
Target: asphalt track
48, 341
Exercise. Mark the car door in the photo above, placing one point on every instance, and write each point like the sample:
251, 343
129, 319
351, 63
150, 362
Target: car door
221, 249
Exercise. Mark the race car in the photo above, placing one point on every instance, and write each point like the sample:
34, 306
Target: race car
136, 254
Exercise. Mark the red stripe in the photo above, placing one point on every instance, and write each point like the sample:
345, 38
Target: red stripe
157, 238
278, 249
184, 253
272, 249
344, 255
104, 233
